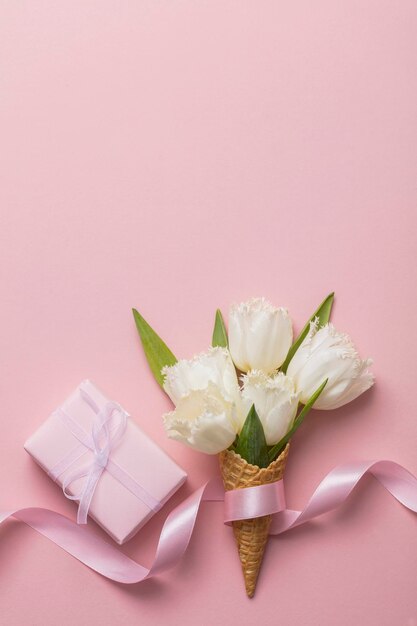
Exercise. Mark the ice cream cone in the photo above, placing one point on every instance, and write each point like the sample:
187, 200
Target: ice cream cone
252, 534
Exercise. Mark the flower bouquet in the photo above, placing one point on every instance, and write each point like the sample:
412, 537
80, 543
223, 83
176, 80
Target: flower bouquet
245, 397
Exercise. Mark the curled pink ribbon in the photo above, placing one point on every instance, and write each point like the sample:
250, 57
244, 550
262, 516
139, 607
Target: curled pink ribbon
109, 561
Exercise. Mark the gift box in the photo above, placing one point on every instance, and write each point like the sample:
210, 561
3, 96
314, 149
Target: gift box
92, 448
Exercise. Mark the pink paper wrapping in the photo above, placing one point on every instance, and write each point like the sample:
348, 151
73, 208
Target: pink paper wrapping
114, 507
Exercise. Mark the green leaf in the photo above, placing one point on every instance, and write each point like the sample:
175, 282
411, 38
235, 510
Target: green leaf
275, 451
156, 351
219, 332
251, 444
323, 315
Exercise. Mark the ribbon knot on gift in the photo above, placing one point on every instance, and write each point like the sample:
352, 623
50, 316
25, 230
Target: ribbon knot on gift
107, 430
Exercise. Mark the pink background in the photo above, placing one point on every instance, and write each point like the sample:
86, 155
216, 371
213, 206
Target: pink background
179, 156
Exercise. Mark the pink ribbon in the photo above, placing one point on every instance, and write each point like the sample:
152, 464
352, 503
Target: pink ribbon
109, 561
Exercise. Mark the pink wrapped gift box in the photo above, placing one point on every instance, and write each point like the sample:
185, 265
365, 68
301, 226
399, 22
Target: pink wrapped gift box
128, 480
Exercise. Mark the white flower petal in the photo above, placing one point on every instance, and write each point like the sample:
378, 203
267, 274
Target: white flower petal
214, 366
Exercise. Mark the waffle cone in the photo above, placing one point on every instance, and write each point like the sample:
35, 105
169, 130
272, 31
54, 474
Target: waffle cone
252, 534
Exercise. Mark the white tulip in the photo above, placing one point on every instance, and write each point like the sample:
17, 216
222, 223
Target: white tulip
206, 394
260, 335
325, 353
275, 400
195, 374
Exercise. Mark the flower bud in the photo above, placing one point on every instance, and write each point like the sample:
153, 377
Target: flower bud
275, 400
260, 335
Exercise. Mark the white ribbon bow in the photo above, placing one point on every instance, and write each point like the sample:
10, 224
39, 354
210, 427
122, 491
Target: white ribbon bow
108, 428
